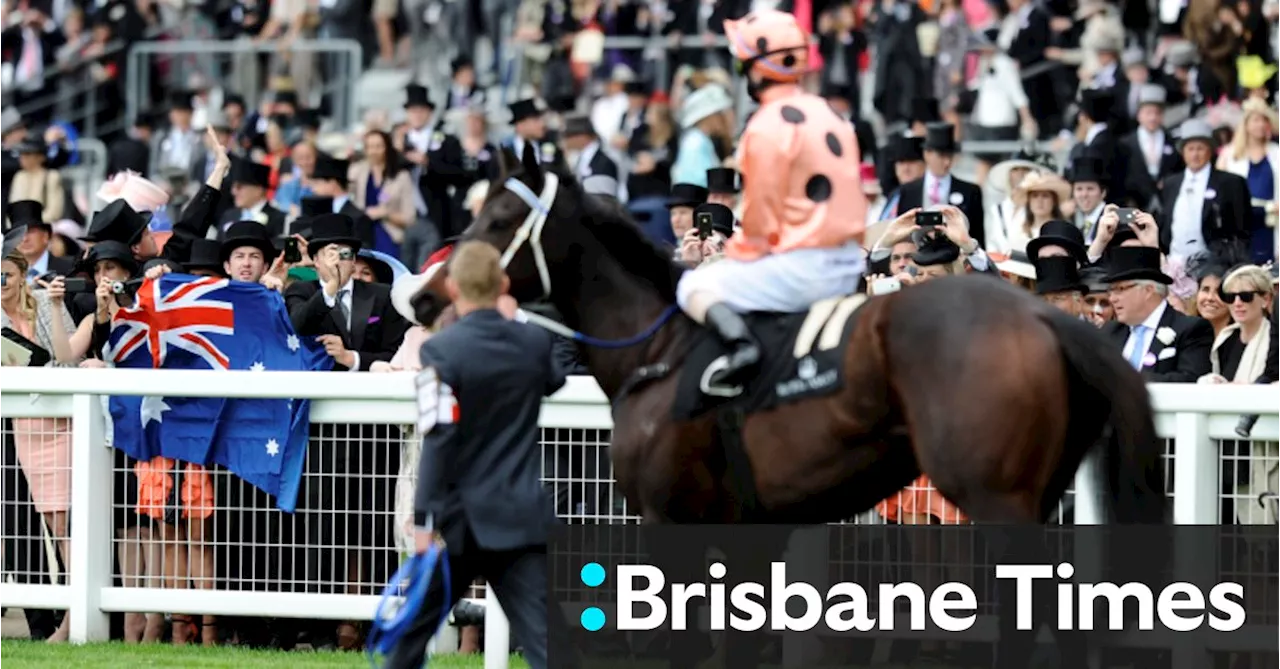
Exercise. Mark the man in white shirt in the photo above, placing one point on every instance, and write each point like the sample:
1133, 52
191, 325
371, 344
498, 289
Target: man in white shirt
1202, 206
173, 147
608, 111
939, 187
1089, 192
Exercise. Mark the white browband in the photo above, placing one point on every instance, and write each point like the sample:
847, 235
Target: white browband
531, 229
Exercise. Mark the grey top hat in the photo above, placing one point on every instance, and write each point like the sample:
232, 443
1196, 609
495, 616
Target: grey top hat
1152, 94
10, 119
1194, 129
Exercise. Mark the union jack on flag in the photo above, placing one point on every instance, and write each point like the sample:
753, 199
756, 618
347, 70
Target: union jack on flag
178, 315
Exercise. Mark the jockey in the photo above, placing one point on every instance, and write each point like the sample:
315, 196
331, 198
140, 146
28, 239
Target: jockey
803, 208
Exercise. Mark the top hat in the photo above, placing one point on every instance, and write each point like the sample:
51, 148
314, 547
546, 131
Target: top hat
205, 254
933, 247
247, 233
1195, 129
904, 148
144, 119
285, 98
416, 95
1060, 233
523, 109
1027, 158
723, 180
329, 229
461, 63
1152, 94
314, 205
721, 217
577, 125
250, 173
1097, 103
229, 99
636, 88
117, 222
29, 213
307, 118
1089, 168
686, 195
1135, 262
941, 137
328, 167
34, 145
180, 100
12, 238
925, 110
1055, 274
109, 250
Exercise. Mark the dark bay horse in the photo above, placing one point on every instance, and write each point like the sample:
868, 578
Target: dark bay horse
995, 395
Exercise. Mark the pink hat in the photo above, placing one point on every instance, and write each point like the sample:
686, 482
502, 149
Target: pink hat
133, 188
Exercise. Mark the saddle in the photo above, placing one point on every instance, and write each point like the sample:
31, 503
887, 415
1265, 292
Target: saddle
802, 356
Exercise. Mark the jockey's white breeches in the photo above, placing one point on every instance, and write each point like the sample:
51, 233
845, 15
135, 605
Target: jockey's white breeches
787, 282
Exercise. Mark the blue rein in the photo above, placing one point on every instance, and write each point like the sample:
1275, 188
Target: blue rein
386, 631
570, 333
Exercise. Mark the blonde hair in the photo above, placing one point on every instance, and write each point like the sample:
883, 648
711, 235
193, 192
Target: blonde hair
1252, 276
476, 268
1239, 138
26, 300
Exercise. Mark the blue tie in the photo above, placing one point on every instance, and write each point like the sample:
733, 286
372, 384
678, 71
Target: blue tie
1139, 338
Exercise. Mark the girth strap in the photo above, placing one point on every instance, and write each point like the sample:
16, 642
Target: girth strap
742, 481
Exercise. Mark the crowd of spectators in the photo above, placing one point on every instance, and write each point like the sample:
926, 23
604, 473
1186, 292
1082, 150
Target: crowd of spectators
1157, 225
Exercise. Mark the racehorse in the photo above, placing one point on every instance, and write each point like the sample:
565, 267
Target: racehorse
994, 395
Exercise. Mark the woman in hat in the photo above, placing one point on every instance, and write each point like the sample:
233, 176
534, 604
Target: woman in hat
1006, 176
1039, 199
707, 136
1254, 155
34, 181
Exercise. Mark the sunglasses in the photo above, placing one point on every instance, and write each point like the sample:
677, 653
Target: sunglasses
1245, 296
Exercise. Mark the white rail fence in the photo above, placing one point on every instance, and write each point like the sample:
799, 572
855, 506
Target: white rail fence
1197, 422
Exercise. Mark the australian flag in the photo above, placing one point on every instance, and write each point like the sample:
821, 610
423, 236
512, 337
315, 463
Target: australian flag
186, 322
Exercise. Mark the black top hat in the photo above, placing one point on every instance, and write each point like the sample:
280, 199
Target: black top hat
1060, 233
925, 110
723, 180
12, 238
721, 217
563, 104
144, 119
416, 95
941, 137
1089, 167
173, 265
1096, 103
314, 205
577, 125
329, 229
117, 222
460, 63
205, 254
328, 167
307, 118
1055, 274
233, 99
247, 233
285, 98
933, 248
109, 250
523, 109
636, 88
686, 195
33, 145
1135, 262
382, 272
903, 148
28, 213
180, 100
250, 173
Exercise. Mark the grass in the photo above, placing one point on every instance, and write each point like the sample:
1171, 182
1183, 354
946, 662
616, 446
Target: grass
40, 655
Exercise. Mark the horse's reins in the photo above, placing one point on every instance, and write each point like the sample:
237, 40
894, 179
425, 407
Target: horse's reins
531, 231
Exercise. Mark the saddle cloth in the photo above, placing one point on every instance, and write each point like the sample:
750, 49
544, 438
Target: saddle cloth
802, 357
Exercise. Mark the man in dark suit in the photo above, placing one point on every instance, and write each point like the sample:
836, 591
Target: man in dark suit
329, 179
35, 244
1202, 208
133, 152
595, 170
436, 157
1151, 151
479, 489
1098, 139
939, 187
249, 190
1162, 344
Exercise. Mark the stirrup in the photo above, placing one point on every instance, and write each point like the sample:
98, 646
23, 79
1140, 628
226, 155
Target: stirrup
707, 388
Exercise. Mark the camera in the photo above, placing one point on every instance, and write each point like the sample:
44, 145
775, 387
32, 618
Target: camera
125, 291
346, 254
929, 219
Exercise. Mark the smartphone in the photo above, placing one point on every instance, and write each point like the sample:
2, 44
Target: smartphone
703, 223
291, 252
929, 219
75, 284
886, 285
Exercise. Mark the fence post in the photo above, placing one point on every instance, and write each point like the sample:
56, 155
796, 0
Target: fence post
497, 632
90, 569
1195, 502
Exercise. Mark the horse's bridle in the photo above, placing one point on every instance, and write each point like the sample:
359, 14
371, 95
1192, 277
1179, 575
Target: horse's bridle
531, 229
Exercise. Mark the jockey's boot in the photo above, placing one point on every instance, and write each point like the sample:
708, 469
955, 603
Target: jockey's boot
744, 355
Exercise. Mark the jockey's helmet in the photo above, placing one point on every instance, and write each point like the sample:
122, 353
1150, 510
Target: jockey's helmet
770, 44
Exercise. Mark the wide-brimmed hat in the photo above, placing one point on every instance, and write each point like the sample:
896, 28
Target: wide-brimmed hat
416, 95
386, 269
1042, 182
329, 229
117, 222
1060, 233
108, 250
686, 195
205, 254
137, 190
1259, 106
941, 137
250, 173
1027, 158
704, 102
404, 288
29, 213
1135, 263
1055, 274
247, 233
1195, 129
723, 180
1097, 103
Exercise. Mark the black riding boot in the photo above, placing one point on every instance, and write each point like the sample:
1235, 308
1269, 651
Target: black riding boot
745, 353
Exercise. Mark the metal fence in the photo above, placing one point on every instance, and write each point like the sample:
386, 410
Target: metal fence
232, 554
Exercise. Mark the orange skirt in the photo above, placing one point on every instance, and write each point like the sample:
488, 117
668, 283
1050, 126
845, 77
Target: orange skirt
156, 488
922, 499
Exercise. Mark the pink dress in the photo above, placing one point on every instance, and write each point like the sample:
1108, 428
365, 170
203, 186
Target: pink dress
44, 452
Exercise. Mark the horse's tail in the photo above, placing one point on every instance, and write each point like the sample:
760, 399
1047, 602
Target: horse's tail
1108, 400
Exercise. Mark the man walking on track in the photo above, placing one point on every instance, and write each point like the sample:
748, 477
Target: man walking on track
479, 395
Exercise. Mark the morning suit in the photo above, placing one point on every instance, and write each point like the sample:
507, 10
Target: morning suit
1223, 217
376, 327
1191, 340
962, 195
479, 397
1141, 186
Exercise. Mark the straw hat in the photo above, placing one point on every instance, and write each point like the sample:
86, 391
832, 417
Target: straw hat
1260, 106
1042, 182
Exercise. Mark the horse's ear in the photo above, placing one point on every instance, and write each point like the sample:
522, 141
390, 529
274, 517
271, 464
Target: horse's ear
532, 169
508, 163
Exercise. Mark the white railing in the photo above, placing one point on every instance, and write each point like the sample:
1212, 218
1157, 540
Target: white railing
1194, 419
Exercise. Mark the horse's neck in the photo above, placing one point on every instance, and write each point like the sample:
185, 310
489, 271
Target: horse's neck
604, 302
